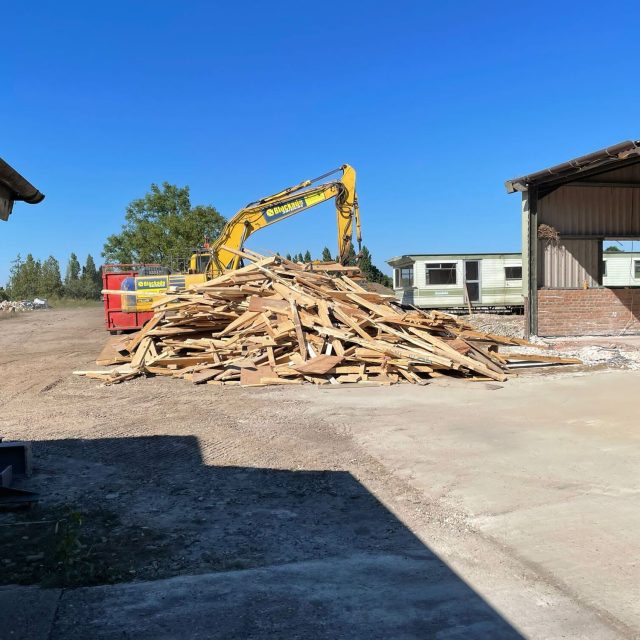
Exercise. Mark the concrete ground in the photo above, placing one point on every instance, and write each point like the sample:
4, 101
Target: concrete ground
456, 510
546, 468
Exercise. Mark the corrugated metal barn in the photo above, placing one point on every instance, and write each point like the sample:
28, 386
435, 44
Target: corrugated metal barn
568, 211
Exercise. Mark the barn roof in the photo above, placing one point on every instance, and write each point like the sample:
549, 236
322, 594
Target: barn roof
618, 155
19, 187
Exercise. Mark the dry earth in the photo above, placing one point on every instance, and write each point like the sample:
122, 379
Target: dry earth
292, 513
168, 478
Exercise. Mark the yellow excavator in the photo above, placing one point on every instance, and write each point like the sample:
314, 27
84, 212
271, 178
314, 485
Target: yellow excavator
277, 207
222, 255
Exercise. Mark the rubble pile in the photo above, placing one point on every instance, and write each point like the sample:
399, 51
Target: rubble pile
280, 322
12, 306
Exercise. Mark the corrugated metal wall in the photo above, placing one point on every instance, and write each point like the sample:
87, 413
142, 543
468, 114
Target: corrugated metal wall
624, 174
603, 211
569, 264
577, 210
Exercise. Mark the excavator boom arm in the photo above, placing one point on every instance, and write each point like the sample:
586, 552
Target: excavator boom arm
285, 204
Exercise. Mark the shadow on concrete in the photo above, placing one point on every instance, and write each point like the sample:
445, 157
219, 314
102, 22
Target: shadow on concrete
179, 548
629, 299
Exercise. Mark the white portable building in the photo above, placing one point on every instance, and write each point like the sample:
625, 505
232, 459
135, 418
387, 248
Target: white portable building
453, 281
620, 268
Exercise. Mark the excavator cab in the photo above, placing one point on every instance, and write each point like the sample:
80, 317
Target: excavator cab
200, 261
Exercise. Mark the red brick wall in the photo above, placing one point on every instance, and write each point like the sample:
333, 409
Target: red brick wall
588, 312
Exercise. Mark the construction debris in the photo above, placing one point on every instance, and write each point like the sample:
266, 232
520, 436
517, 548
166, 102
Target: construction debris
277, 322
13, 306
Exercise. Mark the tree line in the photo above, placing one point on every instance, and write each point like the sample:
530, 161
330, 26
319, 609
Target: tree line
30, 278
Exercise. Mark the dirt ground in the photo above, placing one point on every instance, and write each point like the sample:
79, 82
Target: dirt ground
158, 486
149, 477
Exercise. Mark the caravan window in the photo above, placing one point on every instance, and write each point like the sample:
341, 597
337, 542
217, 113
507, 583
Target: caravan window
513, 273
441, 273
636, 268
404, 277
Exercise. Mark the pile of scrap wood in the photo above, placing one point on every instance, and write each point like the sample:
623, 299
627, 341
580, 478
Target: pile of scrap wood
279, 322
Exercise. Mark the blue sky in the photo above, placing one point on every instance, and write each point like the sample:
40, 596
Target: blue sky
435, 104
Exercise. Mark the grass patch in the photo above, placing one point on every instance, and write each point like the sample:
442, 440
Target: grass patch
65, 546
72, 303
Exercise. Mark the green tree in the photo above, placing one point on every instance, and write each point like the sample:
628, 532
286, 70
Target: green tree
50, 281
15, 275
72, 283
613, 249
288, 256
326, 255
90, 283
89, 271
33, 276
24, 278
369, 270
364, 262
162, 225
3, 294
307, 256
351, 256
72, 273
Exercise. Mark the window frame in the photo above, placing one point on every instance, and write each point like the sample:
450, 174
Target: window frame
513, 266
636, 268
202, 262
400, 281
431, 266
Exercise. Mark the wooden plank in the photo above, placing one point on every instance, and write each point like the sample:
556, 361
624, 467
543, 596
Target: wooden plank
319, 365
535, 357
135, 340
354, 285
251, 377
471, 363
113, 352
381, 310
323, 313
352, 324
302, 345
268, 380
204, 375
468, 334
141, 352
268, 304
185, 361
245, 318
